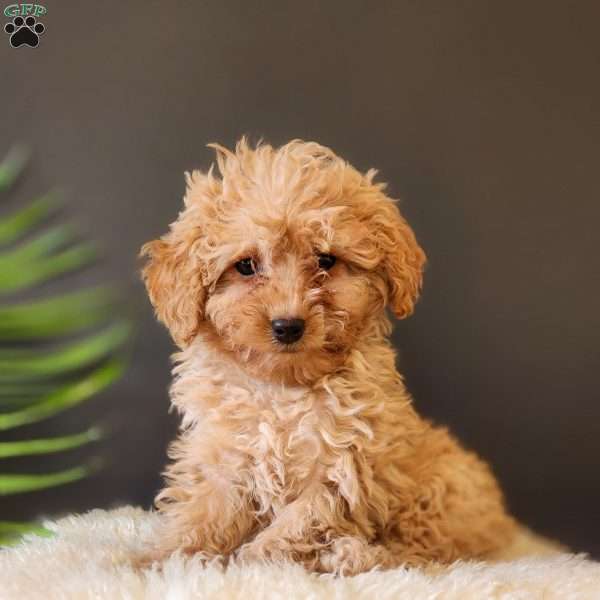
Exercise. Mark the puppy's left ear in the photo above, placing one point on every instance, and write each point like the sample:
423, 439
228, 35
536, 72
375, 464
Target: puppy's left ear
173, 279
403, 262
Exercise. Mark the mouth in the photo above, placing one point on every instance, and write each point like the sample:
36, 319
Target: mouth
289, 350
293, 348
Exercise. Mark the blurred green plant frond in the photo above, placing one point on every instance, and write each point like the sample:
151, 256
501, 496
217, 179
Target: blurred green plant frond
56, 351
10, 533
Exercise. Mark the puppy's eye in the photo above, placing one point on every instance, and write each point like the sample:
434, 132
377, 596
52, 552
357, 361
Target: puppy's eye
326, 261
245, 267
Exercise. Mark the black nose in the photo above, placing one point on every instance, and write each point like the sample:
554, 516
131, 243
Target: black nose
287, 331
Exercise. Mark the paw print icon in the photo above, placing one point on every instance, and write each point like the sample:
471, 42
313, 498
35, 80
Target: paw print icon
24, 32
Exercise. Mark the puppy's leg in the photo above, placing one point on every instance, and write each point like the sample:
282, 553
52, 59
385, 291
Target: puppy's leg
208, 518
349, 555
324, 552
312, 530
294, 531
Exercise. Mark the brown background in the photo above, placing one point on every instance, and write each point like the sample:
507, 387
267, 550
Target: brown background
483, 116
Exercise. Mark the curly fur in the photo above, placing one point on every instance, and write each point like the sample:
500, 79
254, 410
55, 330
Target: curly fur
312, 452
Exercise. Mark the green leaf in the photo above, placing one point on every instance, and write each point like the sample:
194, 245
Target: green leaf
28, 364
40, 246
22, 394
46, 446
17, 484
60, 315
17, 276
10, 533
65, 397
39, 383
11, 527
12, 165
21, 222
15, 402
25, 389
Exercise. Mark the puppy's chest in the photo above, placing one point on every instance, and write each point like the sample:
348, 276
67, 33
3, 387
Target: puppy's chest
287, 436
284, 427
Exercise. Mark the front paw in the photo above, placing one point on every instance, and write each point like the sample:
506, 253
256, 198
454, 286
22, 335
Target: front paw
273, 550
350, 555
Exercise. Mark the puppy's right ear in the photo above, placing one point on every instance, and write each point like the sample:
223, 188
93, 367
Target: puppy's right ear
174, 283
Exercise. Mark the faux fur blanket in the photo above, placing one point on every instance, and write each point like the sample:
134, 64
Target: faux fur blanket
90, 557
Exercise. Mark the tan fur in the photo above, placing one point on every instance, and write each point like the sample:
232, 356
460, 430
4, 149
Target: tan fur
312, 452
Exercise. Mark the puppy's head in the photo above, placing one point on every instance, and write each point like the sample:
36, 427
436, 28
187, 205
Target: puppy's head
284, 262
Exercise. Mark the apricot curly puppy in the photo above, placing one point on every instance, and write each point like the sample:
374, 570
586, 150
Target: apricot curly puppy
299, 441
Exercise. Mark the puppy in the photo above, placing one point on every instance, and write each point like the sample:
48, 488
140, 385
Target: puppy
299, 440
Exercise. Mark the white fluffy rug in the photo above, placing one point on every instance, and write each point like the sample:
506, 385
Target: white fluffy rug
90, 557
